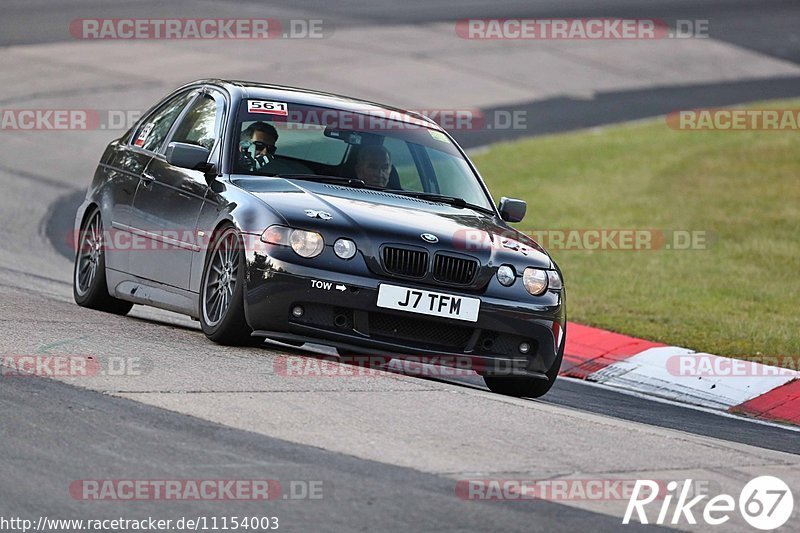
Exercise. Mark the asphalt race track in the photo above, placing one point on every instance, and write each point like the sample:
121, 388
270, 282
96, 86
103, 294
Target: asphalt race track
388, 449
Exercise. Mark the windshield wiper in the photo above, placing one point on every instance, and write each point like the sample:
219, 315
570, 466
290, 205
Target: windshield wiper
350, 182
455, 201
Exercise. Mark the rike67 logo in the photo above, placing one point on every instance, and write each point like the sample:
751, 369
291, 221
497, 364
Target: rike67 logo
766, 503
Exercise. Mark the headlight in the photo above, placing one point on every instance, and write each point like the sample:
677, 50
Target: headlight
535, 280
305, 243
506, 275
344, 248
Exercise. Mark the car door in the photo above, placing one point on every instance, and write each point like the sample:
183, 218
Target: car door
124, 166
169, 198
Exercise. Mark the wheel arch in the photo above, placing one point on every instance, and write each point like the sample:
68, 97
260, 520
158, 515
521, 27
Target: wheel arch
239, 209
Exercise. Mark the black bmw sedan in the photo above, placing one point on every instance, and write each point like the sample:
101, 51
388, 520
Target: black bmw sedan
274, 212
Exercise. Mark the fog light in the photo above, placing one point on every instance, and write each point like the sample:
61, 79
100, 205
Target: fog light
506, 275
298, 311
524, 347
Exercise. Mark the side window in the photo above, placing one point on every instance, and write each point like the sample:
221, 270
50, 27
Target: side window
199, 125
404, 163
154, 129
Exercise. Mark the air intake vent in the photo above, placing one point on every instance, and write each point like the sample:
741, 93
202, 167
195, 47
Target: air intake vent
419, 331
405, 262
372, 192
455, 270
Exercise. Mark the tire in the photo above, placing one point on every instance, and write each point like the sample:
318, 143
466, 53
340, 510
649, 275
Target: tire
526, 387
222, 291
89, 285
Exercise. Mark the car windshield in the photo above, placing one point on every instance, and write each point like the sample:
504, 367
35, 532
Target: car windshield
384, 150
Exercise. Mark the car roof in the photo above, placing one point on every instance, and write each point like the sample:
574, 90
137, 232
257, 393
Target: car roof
248, 89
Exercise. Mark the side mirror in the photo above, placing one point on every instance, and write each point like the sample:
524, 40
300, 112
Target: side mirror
188, 156
512, 210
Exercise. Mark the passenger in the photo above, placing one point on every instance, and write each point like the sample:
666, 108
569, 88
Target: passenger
374, 165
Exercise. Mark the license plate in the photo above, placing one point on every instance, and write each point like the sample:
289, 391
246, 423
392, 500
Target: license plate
428, 303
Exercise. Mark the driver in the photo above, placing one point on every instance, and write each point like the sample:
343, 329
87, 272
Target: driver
258, 144
257, 151
374, 165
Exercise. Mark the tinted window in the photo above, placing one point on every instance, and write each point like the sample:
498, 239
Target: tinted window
404, 164
199, 125
308, 143
449, 171
154, 129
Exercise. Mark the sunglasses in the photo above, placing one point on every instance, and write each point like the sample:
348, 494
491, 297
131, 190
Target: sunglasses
261, 146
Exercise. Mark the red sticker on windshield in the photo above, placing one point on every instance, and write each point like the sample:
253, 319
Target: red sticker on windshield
143, 135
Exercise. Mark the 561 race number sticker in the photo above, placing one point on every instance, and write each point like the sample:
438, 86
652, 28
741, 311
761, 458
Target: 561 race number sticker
269, 108
144, 133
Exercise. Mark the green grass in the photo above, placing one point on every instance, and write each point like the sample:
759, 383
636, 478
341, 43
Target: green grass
739, 297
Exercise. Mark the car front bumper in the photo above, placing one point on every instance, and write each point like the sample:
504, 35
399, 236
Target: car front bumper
340, 309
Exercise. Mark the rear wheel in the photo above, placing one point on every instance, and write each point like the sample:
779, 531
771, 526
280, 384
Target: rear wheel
526, 387
89, 286
222, 292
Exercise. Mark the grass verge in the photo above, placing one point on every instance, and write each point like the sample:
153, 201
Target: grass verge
739, 295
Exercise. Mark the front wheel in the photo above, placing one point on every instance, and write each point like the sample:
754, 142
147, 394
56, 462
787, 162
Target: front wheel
89, 286
222, 292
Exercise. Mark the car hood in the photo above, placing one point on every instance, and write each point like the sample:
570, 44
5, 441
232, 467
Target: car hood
373, 218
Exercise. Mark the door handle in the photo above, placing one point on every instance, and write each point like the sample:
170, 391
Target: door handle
148, 177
